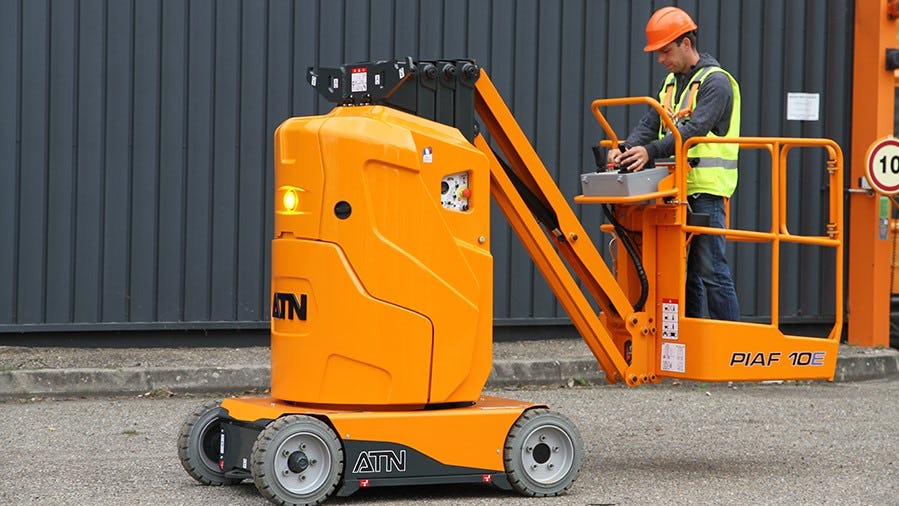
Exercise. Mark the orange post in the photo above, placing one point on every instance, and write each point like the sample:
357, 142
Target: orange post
872, 118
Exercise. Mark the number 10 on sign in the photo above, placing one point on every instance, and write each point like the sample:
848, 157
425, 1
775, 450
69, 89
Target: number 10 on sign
882, 166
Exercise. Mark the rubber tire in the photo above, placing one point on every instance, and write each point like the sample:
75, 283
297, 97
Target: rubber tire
560, 432
198, 432
266, 463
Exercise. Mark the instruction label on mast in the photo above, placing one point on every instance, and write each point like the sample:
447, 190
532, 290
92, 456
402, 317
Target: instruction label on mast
674, 357
669, 318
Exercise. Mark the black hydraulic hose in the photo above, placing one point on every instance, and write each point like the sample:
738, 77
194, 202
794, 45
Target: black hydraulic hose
543, 213
628, 243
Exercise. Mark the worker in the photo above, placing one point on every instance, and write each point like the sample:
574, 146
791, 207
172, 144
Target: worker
703, 100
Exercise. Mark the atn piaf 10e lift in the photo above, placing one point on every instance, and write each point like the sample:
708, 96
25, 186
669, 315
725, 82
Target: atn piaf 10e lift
382, 293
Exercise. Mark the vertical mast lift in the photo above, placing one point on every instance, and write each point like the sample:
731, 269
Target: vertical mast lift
382, 294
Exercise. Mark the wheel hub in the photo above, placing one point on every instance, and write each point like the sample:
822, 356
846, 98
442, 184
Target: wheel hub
542, 453
547, 454
302, 462
297, 462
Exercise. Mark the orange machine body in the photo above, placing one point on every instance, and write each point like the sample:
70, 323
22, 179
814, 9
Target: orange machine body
382, 298
396, 289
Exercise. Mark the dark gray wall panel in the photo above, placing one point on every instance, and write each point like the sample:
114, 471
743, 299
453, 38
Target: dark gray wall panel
10, 98
89, 124
33, 127
118, 159
225, 151
60, 164
199, 178
172, 163
136, 157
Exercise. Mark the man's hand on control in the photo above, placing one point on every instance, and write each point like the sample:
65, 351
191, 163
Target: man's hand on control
633, 159
613, 157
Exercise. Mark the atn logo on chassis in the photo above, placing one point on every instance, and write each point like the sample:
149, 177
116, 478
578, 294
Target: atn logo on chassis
380, 461
286, 305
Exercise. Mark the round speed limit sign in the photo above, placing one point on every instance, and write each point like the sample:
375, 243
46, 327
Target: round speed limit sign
882, 166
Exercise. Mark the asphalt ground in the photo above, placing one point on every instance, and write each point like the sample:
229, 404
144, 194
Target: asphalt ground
40, 372
795, 443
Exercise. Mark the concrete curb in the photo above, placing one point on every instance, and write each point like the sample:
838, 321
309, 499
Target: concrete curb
510, 373
854, 364
131, 381
861, 364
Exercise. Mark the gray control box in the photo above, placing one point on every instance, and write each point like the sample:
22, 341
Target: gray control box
615, 184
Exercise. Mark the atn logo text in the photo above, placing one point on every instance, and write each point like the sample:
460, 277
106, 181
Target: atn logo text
286, 306
380, 461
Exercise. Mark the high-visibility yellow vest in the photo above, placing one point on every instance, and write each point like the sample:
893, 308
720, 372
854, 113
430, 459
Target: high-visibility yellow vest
715, 170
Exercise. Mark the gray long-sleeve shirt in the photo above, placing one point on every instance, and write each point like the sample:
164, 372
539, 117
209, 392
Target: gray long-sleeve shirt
714, 104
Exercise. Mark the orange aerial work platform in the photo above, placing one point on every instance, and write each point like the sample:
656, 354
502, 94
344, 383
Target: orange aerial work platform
382, 293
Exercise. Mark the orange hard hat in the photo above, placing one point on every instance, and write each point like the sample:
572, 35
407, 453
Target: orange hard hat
665, 26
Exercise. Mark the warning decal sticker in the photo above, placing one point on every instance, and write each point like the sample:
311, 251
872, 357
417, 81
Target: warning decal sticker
359, 82
674, 357
669, 318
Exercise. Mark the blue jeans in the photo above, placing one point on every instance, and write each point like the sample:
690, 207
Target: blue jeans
708, 276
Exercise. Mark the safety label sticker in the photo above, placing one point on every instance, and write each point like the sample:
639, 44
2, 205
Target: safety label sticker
669, 318
359, 79
674, 357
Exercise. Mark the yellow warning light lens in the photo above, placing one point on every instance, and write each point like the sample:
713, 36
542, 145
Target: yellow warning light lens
290, 200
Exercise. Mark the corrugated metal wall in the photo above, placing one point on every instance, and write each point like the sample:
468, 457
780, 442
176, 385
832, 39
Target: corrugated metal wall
135, 136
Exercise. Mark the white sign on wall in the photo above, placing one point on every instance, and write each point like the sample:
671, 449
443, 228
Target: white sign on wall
803, 106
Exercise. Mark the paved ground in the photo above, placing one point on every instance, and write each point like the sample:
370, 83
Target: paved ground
52, 372
745, 444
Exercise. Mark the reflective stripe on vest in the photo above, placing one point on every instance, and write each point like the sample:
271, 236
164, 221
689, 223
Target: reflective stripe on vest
714, 170
708, 162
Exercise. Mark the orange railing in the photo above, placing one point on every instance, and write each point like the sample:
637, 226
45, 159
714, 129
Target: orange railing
779, 148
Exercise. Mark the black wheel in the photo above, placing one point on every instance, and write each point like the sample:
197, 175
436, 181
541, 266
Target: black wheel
198, 445
542, 453
297, 459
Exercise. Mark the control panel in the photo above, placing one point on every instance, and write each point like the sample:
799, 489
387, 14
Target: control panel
454, 191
